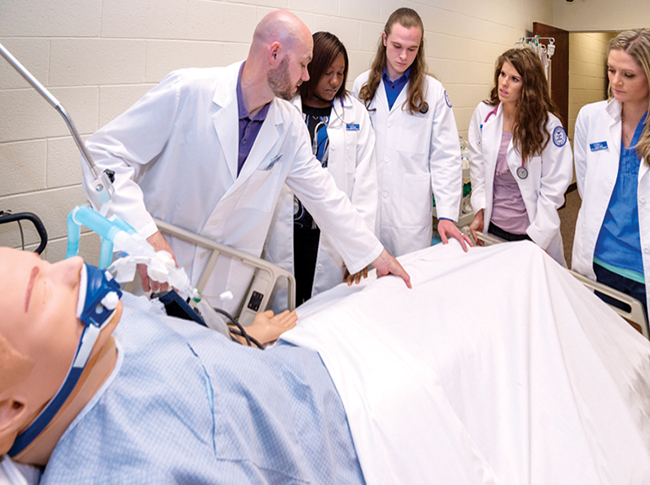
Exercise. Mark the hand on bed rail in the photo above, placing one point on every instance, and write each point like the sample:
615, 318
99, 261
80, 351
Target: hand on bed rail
159, 243
387, 264
477, 225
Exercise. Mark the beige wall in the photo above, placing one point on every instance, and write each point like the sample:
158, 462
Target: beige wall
100, 56
601, 15
587, 71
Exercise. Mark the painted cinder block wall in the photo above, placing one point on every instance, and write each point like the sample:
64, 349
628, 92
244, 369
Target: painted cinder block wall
99, 56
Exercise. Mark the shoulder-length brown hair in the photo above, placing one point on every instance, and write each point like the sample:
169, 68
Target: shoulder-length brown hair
529, 134
327, 48
415, 90
636, 43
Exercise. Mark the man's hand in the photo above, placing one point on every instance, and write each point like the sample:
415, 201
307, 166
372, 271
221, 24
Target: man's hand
477, 225
386, 264
159, 244
448, 229
355, 278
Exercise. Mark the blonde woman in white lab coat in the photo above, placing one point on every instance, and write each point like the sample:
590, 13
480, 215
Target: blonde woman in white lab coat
417, 148
520, 158
343, 141
612, 157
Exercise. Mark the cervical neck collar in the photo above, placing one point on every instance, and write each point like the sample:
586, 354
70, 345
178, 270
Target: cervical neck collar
99, 295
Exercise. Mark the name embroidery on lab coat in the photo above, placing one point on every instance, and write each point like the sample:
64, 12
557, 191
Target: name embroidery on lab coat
352, 126
601, 145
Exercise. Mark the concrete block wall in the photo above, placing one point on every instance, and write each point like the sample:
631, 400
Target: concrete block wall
587, 71
99, 56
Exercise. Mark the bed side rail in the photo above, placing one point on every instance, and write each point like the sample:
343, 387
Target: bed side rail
264, 279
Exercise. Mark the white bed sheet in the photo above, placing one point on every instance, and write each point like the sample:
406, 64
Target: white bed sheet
497, 367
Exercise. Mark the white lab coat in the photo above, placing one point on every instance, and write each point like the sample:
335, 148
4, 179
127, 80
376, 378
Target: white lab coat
596, 174
549, 175
417, 155
351, 163
174, 154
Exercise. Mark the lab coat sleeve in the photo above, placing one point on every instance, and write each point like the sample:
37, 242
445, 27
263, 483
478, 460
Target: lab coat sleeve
364, 195
556, 175
445, 164
580, 150
330, 207
476, 160
129, 144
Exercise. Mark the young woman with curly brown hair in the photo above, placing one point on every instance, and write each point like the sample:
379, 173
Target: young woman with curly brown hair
520, 158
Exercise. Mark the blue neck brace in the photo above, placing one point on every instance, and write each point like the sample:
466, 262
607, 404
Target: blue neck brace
99, 295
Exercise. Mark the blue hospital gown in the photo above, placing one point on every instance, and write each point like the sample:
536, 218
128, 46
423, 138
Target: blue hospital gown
185, 405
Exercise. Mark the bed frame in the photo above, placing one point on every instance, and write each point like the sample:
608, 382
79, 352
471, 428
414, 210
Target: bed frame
263, 282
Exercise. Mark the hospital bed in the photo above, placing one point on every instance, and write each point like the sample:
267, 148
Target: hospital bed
265, 278
521, 352
635, 316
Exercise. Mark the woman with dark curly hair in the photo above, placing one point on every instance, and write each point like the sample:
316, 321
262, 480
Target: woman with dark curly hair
520, 159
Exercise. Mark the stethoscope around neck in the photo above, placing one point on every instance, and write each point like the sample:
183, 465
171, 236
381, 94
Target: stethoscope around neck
340, 117
522, 172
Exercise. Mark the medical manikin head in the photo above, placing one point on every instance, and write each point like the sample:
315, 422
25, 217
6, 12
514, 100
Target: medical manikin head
39, 335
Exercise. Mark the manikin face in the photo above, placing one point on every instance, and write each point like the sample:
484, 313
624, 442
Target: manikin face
292, 71
510, 84
38, 302
402, 47
331, 80
627, 79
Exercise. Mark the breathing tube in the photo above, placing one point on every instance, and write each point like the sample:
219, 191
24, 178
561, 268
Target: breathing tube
133, 249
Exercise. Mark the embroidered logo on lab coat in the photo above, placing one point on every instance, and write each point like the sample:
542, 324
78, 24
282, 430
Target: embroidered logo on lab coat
559, 136
447, 99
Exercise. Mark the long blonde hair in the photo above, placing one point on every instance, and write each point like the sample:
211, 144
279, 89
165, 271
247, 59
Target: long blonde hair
415, 92
636, 43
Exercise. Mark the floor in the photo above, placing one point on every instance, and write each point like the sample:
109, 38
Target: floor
568, 215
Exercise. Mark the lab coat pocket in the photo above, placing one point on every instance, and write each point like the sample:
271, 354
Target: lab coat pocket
417, 203
351, 151
415, 133
260, 190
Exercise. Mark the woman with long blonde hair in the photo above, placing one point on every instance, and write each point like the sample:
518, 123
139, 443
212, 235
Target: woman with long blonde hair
612, 157
417, 147
520, 159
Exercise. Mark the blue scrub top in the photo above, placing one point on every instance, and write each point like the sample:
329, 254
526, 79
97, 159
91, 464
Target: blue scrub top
393, 88
619, 244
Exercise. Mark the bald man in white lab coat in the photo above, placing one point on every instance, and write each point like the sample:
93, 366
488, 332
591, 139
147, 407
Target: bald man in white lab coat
179, 156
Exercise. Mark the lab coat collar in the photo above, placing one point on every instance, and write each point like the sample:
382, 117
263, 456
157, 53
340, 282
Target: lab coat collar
613, 109
226, 118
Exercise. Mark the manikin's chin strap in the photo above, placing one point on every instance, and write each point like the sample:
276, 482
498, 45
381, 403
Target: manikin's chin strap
99, 295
